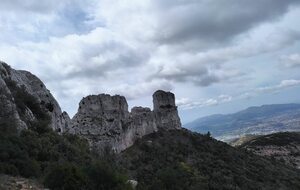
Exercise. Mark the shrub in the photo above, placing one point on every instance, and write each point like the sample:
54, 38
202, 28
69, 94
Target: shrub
65, 176
103, 175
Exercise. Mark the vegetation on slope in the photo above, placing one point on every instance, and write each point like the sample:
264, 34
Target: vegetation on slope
59, 161
276, 139
283, 146
180, 160
241, 140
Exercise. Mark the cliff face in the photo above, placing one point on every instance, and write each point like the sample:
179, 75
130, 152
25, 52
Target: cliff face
165, 110
105, 121
11, 79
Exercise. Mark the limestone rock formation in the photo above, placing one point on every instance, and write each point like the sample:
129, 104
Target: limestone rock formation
165, 110
100, 119
105, 121
35, 87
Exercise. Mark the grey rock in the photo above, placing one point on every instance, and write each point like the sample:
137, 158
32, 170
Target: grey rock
104, 120
165, 110
8, 109
133, 183
36, 88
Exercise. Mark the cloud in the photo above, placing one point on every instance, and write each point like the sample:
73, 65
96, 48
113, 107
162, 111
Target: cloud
135, 47
30, 5
36, 6
291, 61
135, 91
282, 85
36, 21
209, 67
225, 98
185, 103
92, 55
208, 23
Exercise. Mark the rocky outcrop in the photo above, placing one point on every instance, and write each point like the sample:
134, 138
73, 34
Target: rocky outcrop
10, 79
165, 110
8, 109
105, 121
101, 120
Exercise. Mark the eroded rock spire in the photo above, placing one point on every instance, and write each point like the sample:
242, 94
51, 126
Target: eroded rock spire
106, 122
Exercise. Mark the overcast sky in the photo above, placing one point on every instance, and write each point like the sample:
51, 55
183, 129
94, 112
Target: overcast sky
217, 56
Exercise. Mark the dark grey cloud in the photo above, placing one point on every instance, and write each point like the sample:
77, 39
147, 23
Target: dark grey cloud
199, 75
202, 77
205, 23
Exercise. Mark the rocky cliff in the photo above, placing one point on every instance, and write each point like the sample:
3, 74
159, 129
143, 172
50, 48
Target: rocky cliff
16, 87
106, 122
165, 110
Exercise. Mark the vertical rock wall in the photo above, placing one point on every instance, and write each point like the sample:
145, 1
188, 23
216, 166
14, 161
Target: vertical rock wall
105, 121
165, 110
35, 87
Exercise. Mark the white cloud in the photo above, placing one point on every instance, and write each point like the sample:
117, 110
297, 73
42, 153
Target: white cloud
225, 98
291, 61
282, 85
209, 67
185, 103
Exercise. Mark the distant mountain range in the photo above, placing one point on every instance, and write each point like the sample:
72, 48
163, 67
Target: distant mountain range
260, 120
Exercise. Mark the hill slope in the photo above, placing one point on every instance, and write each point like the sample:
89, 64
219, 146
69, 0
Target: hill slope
280, 146
181, 159
265, 119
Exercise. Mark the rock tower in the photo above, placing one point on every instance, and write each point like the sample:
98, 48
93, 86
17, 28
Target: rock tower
105, 121
165, 110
